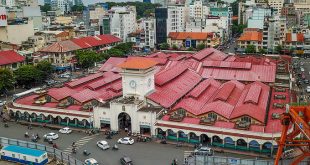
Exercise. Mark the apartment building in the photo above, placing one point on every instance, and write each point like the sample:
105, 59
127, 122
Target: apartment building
276, 5
176, 18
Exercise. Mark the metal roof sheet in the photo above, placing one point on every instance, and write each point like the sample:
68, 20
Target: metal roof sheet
10, 57
24, 150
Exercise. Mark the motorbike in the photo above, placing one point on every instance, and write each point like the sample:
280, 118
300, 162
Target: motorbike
34, 140
163, 142
109, 137
86, 153
26, 136
74, 150
55, 146
6, 125
115, 147
50, 141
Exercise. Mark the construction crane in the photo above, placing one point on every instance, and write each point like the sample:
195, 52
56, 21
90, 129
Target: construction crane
299, 118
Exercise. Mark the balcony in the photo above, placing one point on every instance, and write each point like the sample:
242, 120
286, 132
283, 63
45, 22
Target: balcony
207, 121
243, 125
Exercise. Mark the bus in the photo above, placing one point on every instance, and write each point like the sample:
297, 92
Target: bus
15, 96
23, 155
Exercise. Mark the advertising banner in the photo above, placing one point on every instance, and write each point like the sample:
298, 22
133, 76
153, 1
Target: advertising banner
3, 17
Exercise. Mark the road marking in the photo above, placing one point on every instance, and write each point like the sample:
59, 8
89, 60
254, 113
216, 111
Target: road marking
80, 143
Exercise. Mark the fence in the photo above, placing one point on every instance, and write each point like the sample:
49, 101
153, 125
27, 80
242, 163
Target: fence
192, 159
62, 157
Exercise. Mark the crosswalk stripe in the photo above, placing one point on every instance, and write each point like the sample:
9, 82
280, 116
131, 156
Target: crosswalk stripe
80, 143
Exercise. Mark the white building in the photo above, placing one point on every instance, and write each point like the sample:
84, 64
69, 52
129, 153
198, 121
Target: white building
198, 11
176, 18
257, 18
122, 21
10, 3
276, 4
149, 30
62, 5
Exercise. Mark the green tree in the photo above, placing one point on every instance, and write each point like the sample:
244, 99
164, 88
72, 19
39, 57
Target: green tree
250, 49
164, 46
6, 80
124, 47
77, 8
46, 8
201, 46
262, 51
113, 52
190, 49
142, 9
175, 47
46, 69
278, 48
87, 58
27, 75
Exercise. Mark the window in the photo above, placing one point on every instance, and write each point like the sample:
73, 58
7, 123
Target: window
246, 119
36, 160
181, 112
212, 115
25, 158
13, 155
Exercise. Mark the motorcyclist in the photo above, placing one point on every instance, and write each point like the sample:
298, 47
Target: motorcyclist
54, 145
85, 152
26, 134
115, 146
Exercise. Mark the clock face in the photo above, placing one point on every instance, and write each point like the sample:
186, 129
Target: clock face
149, 82
132, 84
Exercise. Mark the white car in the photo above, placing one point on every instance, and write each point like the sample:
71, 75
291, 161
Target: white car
2, 102
51, 135
103, 145
65, 130
308, 89
126, 140
91, 161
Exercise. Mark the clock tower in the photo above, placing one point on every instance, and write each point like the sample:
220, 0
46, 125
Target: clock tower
138, 77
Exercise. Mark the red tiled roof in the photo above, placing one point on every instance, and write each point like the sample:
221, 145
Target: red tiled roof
10, 57
210, 54
191, 35
167, 94
111, 64
225, 64
251, 36
60, 93
137, 63
85, 95
108, 77
84, 80
169, 74
294, 37
62, 46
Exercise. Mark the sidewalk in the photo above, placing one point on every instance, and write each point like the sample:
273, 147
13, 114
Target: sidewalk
221, 150
51, 126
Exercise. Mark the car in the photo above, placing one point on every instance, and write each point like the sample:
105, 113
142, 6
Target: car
126, 140
91, 161
103, 145
204, 151
301, 63
2, 103
51, 135
308, 89
302, 69
306, 81
65, 130
126, 161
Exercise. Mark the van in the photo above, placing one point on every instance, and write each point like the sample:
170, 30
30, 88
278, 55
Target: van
288, 154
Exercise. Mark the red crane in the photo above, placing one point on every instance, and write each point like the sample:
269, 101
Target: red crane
299, 118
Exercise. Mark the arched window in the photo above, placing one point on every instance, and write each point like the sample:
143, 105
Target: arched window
212, 115
246, 119
181, 111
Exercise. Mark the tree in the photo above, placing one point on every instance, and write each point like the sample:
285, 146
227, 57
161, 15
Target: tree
250, 49
46, 69
113, 52
77, 8
278, 48
142, 9
190, 49
6, 80
124, 47
27, 75
87, 58
164, 46
262, 51
201, 46
175, 47
46, 8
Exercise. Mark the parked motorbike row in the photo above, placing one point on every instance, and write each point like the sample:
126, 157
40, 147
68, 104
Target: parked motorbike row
92, 131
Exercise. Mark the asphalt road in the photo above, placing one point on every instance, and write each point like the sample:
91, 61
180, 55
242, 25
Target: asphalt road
142, 153
301, 90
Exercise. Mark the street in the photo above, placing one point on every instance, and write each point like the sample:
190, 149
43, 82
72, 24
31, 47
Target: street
301, 92
142, 153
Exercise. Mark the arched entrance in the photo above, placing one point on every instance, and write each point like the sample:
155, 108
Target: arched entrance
124, 121
204, 139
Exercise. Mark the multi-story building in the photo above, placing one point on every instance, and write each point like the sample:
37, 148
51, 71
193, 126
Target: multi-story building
256, 20
192, 39
198, 11
161, 16
289, 12
62, 5
10, 3
251, 36
274, 32
176, 18
149, 29
294, 43
122, 21
303, 5
276, 5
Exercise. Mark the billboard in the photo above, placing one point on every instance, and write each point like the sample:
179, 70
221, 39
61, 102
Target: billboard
3, 17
